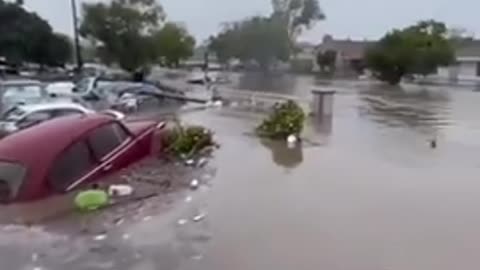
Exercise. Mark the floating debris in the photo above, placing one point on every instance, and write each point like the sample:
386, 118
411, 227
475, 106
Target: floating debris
197, 257
126, 236
199, 217
35, 257
433, 144
120, 190
218, 103
147, 218
100, 237
90, 200
182, 222
292, 141
189, 162
194, 184
202, 162
119, 221
188, 199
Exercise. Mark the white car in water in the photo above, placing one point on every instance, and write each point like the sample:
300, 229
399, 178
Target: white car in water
25, 116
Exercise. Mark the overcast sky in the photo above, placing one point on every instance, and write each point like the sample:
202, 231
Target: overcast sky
356, 19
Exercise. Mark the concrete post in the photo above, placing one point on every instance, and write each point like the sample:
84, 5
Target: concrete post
322, 102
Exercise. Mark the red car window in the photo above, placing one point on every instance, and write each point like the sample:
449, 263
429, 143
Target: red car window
74, 163
105, 139
12, 176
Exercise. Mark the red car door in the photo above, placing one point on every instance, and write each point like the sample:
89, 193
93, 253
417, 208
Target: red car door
113, 147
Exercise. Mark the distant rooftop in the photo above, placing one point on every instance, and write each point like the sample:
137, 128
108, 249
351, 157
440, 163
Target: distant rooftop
350, 49
468, 48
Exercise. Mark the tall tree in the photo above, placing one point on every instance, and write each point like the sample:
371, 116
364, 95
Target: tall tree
258, 39
418, 49
173, 44
123, 30
28, 38
326, 60
297, 15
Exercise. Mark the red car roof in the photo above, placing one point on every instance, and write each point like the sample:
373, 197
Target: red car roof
36, 147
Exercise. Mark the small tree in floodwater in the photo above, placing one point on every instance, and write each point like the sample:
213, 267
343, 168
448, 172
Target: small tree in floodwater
418, 49
286, 119
188, 141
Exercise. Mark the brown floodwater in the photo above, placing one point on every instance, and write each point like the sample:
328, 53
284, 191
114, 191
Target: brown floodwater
364, 191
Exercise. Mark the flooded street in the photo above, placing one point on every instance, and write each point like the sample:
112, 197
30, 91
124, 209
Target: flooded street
373, 196
365, 191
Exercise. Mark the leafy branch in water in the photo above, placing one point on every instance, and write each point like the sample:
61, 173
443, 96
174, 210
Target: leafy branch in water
188, 141
286, 119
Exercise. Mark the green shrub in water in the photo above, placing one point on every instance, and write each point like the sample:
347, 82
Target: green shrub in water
286, 119
187, 141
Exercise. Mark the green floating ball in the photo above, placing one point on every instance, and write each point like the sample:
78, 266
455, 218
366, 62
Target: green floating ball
90, 200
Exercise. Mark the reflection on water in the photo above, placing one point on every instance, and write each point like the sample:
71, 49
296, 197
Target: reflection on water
282, 155
278, 83
415, 108
322, 124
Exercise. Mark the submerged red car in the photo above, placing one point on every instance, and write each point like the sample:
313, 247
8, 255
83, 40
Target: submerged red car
63, 154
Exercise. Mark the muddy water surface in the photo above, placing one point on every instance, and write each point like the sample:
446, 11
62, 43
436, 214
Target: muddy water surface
374, 195
365, 191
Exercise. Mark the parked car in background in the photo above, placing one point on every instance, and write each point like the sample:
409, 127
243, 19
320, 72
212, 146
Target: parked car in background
84, 88
103, 93
84, 149
87, 87
15, 92
25, 116
64, 88
129, 96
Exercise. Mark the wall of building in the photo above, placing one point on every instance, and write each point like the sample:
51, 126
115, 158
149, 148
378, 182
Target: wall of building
467, 70
464, 70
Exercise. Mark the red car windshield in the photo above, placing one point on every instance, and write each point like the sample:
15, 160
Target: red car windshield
12, 176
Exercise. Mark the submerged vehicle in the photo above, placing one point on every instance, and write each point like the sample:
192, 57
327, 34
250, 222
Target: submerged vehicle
63, 154
24, 116
21, 92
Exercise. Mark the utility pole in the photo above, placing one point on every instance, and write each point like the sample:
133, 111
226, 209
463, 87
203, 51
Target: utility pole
78, 53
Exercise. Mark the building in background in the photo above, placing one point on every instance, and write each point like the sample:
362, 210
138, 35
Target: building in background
350, 54
304, 59
467, 63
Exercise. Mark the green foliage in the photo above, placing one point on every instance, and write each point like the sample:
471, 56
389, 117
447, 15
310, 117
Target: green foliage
188, 141
326, 60
297, 14
259, 39
123, 30
173, 44
286, 119
265, 40
418, 49
25, 37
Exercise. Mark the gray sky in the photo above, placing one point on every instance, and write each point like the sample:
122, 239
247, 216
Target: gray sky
356, 19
